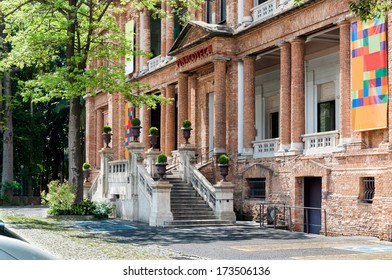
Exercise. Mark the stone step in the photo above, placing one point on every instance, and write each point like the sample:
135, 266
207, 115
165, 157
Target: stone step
199, 223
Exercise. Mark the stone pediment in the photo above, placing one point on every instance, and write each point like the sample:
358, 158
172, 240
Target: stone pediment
196, 32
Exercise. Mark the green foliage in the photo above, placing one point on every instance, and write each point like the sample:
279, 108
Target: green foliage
370, 9
135, 122
86, 166
107, 129
162, 159
186, 124
11, 185
223, 159
60, 196
103, 209
153, 130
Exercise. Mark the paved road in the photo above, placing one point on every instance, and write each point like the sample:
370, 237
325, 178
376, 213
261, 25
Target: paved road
244, 241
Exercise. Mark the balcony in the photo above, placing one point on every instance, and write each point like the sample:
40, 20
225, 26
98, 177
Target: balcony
320, 143
264, 10
153, 63
265, 148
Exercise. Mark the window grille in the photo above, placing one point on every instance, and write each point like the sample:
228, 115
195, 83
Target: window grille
257, 188
368, 189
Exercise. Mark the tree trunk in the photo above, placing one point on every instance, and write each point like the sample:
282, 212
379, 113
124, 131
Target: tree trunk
75, 149
8, 143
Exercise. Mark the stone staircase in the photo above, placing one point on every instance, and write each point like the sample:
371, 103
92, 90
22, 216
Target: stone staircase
188, 208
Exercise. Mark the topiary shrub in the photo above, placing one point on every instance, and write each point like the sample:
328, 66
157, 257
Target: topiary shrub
223, 159
107, 129
162, 159
153, 130
186, 124
135, 122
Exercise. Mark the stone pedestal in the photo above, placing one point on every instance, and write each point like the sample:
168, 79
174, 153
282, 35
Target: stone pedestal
86, 189
224, 201
107, 154
152, 155
160, 211
135, 157
187, 158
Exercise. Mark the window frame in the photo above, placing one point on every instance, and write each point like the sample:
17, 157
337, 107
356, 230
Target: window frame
257, 194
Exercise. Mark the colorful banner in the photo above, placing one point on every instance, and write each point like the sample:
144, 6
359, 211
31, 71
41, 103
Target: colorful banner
129, 114
369, 70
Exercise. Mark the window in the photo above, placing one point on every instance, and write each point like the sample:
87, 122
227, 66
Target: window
259, 2
367, 189
222, 8
257, 188
209, 11
155, 36
326, 116
274, 125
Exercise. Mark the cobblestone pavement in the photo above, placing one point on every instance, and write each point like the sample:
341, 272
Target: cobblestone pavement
120, 239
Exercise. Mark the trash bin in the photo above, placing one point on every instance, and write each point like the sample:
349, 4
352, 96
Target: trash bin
271, 215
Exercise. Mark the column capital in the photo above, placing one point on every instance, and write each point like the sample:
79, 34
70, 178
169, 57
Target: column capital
217, 58
297, 40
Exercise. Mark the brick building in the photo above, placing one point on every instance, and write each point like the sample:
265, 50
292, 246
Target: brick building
269, 83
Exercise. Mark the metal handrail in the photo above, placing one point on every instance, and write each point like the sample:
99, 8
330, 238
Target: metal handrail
289, 220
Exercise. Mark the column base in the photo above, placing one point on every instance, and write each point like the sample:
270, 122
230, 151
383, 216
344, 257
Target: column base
296, 149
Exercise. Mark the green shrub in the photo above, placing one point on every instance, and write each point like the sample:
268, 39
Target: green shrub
223, 159
186, 124
103, 209
162, 158
86, 166
60, 197
153, 130
107, 129
135, 122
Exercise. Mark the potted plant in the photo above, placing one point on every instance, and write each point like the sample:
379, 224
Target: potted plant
107, 135
223, 163
161, 165
186, 130
153, 136
86, 170
135, 129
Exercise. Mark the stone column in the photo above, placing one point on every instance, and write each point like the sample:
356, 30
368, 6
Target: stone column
249, 104
163, 33
182, 103
99, 131
345, 91
297, 94
169, 30
162, 128
160, 209
151, 156
285, 98
219, 106
224, 209
170, 126
90, 130
248, 5
192, 106
146, 125
147, 37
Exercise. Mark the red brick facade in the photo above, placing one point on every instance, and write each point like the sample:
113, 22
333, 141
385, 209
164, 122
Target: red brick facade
282, 57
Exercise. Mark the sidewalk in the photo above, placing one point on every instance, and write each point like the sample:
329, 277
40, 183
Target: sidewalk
244, 241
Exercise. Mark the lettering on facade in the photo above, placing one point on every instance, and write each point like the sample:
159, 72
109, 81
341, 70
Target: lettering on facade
193, 57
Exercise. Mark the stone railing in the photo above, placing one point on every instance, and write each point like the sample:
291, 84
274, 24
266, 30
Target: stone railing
153, 63
205, 189
145, 182
265, 148
264, 10
118, 177
322, 142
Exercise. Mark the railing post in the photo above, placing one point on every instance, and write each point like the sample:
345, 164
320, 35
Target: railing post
106, 156
224, 201
160, 211
325, 222
152, 155
289, 218
187, 158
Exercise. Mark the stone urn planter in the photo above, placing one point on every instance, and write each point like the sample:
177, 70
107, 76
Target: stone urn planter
161, 165
86, 171
107, 135
153, 136
186, 130
135, 129
223, 163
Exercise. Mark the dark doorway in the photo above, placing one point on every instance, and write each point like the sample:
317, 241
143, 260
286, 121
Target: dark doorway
312, 204
156, 121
